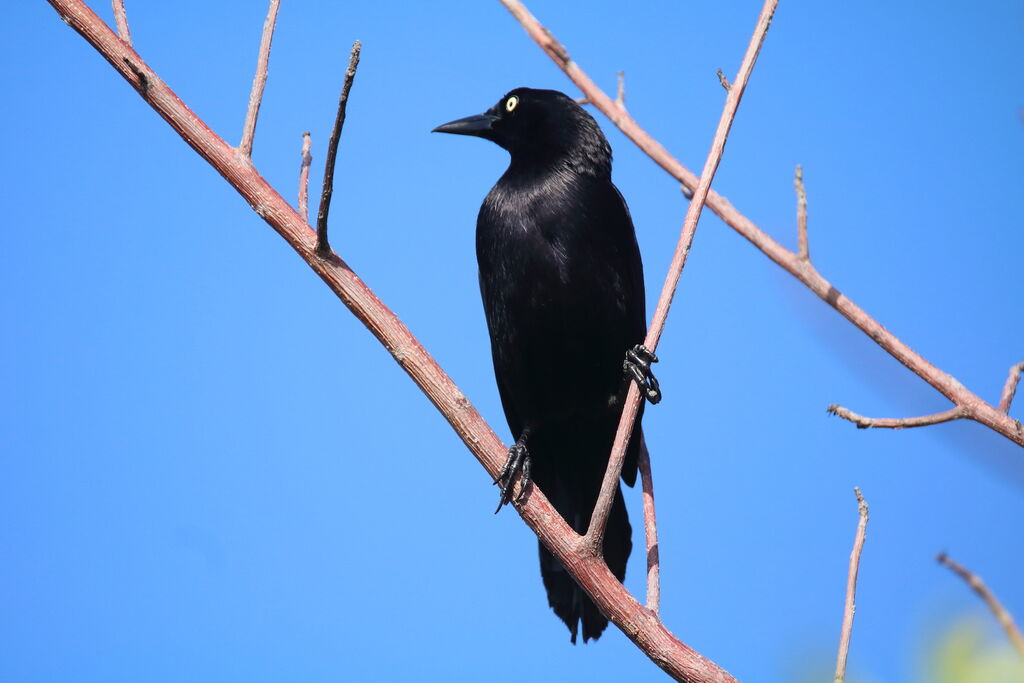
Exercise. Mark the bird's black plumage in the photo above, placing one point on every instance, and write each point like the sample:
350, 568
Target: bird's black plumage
563, 292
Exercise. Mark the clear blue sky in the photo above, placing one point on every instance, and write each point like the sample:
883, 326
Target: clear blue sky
210, 471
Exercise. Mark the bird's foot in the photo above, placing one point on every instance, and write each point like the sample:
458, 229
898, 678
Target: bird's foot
518, 461
637, 367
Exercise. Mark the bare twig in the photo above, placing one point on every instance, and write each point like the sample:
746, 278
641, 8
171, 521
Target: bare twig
307, 159
974, 407
1010, 388
851, 587
723, 80
121, 19
323, 247
956, 413
259, 81
650, 530
595, 533
641, 625
1002, 615
896, 422
804, 250
620, 97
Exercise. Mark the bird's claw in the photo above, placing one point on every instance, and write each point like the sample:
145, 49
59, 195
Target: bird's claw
518, 461
637, 367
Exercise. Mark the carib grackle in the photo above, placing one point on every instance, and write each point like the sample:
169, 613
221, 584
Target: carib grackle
563, 291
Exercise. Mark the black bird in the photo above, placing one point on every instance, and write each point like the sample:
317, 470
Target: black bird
563, 291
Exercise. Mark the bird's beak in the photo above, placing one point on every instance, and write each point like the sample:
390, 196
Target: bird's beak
480, 125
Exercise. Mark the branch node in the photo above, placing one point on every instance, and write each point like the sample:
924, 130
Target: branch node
556, 49
620, 95
323, 246
724, 81
143, 84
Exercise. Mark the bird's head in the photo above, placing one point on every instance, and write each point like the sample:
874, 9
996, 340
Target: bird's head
540, 127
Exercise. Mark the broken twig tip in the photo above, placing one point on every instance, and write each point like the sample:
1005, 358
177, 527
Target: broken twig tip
724, 81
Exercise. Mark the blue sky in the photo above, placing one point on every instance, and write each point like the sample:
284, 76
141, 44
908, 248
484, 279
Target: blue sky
210, 471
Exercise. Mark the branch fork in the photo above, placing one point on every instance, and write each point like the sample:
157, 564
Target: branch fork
956, 413
578, 554
595, 533
975, 408
639, 623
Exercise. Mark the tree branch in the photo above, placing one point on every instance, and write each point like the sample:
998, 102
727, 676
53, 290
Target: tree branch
1010, 388
723, 80
323, 247
851, 587
259, 81
896, 422
307, 159
121, 19
595, 533
1002, 615
640, 625
974, 407
803, 248
650, 530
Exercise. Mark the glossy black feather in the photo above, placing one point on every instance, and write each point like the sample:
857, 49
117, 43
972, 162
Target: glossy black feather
562, 287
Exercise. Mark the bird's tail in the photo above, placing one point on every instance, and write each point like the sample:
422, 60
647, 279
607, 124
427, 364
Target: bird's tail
569, 601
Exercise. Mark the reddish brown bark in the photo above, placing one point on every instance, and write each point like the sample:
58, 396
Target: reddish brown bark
595, 533
640, 624
972, 406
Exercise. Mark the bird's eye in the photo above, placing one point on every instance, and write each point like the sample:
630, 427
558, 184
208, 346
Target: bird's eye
510, 103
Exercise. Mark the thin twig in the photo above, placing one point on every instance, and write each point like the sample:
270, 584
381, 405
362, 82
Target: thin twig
1004, 618
723, 80
804, 250
896, 422
323, 247
1010, 388
650, 530
974, 407
595, 533
641, 625
307, 159
121, 19
259, 81
851, 587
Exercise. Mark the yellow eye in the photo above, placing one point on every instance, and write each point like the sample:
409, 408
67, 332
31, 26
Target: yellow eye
511, 103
